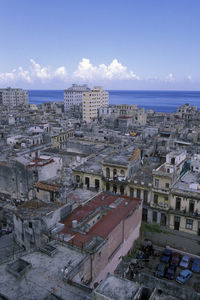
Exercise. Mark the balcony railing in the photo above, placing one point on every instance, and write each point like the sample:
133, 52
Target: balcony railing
158, 189
115, 179
185, 213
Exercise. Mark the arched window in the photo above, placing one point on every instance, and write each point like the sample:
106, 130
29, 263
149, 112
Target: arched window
108, 172
122, 172
77, 178
114, 173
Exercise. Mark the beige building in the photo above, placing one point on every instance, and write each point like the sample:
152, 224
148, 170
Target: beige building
58, 139
92, 101
13, 97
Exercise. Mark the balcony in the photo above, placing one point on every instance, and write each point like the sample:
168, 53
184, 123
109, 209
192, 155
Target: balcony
118, 179
160, 205
160, 190
185, 213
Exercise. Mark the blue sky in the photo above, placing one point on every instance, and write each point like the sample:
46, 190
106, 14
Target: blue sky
137, 44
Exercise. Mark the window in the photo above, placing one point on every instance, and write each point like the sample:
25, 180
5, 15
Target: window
131, 192
107, 172
122, 172
167, 185
114, 173
138, 193
157, 183
178, 203
121, 190
189, 224
77, 178
154, 216
155, 199
145, 198
191, 207
107, 187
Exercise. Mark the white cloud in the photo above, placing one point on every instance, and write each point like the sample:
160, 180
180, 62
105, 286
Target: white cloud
24, 75
7, 76
61, 73
44, 73
113, 71
170, 77
34, 72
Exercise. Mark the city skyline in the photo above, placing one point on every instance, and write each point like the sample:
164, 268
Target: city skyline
125, 45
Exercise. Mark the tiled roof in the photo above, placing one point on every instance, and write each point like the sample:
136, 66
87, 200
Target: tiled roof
135, 155
106, 224
47, 187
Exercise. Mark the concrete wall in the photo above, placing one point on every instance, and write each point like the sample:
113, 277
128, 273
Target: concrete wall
27, 232
50, 170
15, 179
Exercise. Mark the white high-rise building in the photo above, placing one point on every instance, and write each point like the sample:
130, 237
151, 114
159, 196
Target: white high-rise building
74, 95
92, 101
13, 97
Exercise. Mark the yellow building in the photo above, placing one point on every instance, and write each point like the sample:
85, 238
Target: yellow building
58, 139
92, 101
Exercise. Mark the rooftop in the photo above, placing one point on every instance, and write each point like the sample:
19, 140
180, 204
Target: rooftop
122, 158
47, 186
44, 277
117, 288
97, 218
36, 209
189, 182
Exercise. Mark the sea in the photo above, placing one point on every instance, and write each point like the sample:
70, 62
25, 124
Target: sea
159, 101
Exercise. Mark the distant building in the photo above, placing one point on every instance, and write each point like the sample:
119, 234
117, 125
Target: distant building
92, 101
13, 97
73, 95
124, 116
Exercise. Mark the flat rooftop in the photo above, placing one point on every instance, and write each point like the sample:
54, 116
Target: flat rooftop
92, 165
97, 218
189, 182
44, 277
36, 208
117, 288
80, 195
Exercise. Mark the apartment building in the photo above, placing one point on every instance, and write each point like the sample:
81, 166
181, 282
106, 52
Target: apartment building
13, 97
92, 101
74, 95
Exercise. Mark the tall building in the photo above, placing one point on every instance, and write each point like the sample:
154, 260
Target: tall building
13, 97
92, 101
74, 95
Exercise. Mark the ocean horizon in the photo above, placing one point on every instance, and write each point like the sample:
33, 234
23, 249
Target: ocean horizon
158, 100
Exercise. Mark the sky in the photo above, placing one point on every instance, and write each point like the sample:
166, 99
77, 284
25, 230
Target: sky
135, 45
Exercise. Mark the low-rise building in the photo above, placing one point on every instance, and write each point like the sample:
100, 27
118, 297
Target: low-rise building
35, 222
106, 228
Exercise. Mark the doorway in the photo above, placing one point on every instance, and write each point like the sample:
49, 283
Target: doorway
176, 223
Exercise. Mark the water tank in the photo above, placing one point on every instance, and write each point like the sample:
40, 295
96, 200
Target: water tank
74, 223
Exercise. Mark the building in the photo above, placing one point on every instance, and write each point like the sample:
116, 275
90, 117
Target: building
92, 101
74, 95
13, 97
58, 139
35, 222
124, 116
105, 228
39, 275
